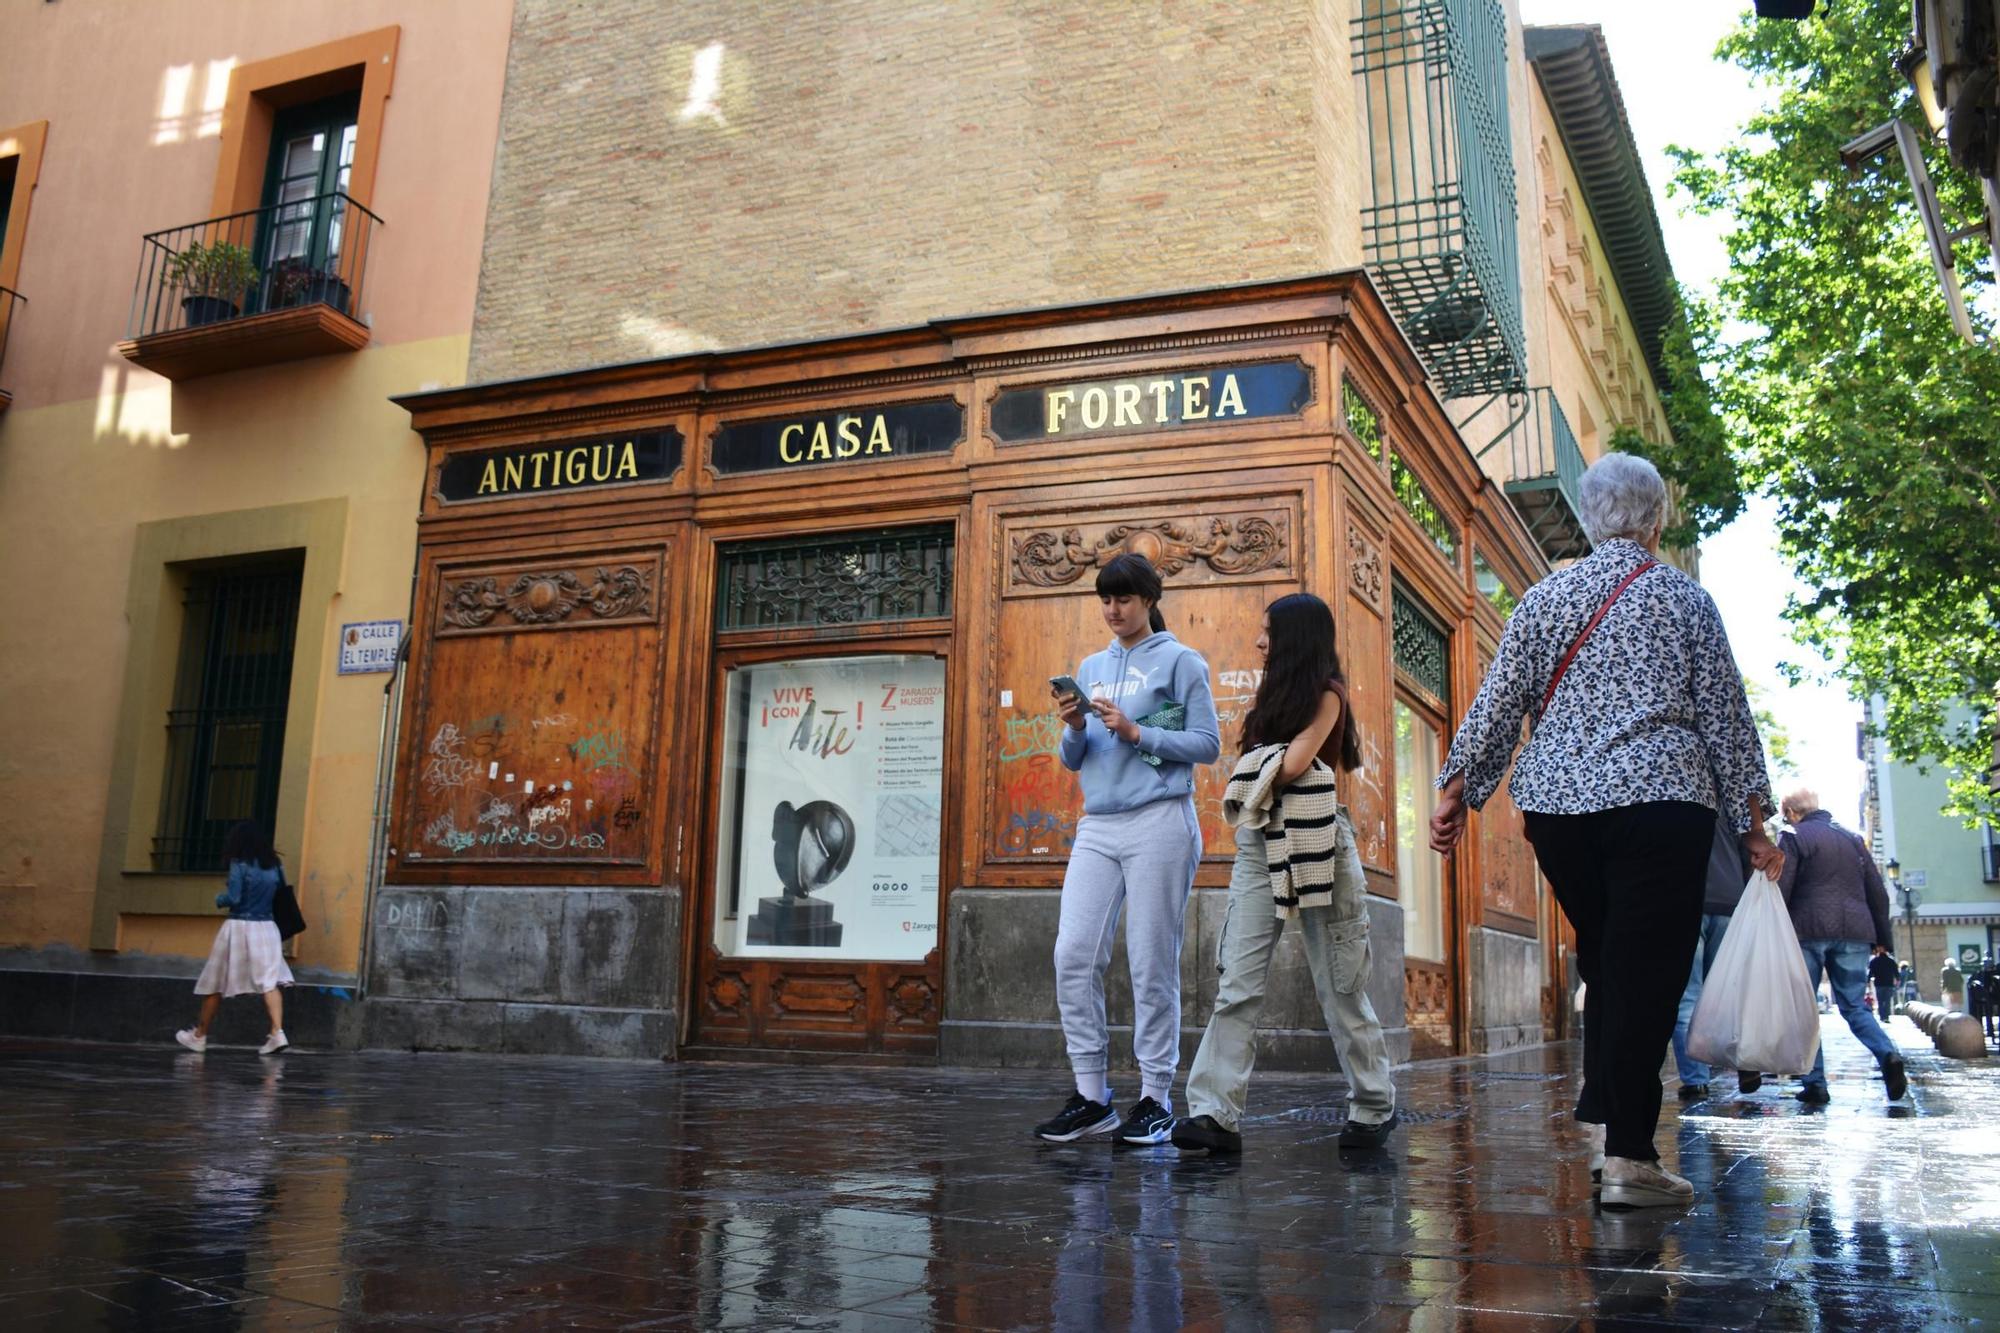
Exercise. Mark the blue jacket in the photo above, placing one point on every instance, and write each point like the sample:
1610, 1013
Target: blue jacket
1141, 681
251, 888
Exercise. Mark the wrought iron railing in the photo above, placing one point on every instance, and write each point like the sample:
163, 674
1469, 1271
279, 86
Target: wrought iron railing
9, 299
1545, 467
1439, 225
305, 252
894, 574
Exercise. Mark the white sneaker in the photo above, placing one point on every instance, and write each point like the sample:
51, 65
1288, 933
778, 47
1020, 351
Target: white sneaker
274, 1043
194, 1041
1637, 1184
1595, 1134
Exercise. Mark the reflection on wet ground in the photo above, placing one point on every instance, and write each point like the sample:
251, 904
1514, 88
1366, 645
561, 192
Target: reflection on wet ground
147, 1189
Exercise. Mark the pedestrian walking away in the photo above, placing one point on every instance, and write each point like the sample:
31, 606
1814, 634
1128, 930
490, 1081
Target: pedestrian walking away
1728, 872
1137, 718
1882, 976
1840, 908
1641, 734
247, 956
1296, 860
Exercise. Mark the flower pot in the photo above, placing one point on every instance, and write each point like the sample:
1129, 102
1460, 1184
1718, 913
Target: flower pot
201, 310
308, 287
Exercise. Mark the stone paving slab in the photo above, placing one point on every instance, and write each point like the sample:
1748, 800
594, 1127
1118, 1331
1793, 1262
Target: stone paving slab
145, 1188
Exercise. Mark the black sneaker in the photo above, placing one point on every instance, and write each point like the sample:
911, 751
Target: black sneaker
1748, 1081
1079, 1118
1813, 1094
1202, 1132
1147, 1122
1357, 1134
1895, 1078
1693, 1092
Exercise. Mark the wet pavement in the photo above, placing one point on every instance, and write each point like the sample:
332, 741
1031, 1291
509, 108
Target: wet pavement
143, 1188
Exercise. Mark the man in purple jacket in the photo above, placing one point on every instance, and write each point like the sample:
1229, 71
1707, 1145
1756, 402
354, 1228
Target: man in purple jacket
1840, 909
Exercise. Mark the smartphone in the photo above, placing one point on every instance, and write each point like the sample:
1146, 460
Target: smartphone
1068, 685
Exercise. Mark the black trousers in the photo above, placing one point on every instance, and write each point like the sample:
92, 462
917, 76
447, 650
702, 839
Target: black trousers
1630, 881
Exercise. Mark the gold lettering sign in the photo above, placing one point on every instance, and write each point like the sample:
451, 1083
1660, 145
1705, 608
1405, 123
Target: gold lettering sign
1163, 400
568, 465
892, 431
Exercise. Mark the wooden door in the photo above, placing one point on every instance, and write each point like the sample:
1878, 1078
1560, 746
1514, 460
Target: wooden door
821, 883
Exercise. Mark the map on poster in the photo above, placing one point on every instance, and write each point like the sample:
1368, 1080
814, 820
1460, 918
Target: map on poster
832, 808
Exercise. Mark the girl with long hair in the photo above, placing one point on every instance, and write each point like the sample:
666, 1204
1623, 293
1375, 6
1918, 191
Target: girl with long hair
1147, 718
248, 956
1295, 857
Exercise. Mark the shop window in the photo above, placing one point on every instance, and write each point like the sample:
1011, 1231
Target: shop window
898, 574
832, 812
226, 724
1492, 587
1419, 870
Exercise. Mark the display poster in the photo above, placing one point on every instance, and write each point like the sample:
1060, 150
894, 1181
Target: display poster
832, 809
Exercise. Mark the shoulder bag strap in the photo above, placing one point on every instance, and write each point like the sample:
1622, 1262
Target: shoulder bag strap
1570, 656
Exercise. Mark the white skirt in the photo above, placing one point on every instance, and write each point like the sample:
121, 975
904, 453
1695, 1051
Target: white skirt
248, 959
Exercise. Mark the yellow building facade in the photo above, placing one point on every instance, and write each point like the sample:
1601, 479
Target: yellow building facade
321, 171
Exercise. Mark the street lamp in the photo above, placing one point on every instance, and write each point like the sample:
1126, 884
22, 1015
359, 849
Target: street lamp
1911, 897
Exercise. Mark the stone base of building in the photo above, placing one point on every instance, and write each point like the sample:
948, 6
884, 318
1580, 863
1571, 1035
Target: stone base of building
525, 970
1506, 982
79, 997
1000, 988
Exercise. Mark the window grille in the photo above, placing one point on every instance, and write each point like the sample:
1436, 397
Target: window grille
1422, 649
1362, 422
853, 578
226, 727
1438, 226
1417, 500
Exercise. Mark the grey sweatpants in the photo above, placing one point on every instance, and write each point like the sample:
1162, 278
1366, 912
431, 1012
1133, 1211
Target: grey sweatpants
1336, 941
1143, 861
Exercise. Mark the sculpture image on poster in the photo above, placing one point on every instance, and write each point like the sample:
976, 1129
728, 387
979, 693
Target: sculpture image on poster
832, 808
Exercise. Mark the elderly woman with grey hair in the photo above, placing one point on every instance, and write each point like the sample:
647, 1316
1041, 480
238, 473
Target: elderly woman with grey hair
1642, 738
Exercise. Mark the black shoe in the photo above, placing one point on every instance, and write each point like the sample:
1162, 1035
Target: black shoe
1356, 1134
1813, 1094
1892, 1074
1203, 1132
1079, 1118
1147, 1122
1748, 1081
1693, 1092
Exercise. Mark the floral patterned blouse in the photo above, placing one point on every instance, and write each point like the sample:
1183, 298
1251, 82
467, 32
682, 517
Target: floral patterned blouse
1651, 709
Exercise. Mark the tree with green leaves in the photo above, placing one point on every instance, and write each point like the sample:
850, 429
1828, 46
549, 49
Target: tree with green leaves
1844, 393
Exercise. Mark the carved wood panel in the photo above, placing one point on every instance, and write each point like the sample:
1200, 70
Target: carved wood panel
1188, 545
552, 594
1506, 861
1365, 579
1034, 803
528, 748
1427, 1008
1364, 654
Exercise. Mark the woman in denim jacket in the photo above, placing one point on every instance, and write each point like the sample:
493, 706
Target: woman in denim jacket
248, 956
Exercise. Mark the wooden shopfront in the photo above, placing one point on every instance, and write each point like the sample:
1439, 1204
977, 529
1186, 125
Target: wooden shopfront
726, 724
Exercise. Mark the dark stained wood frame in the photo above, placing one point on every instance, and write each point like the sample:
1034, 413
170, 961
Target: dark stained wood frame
1336, 324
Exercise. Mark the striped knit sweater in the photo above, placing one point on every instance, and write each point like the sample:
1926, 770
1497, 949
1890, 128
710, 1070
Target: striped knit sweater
1300, 825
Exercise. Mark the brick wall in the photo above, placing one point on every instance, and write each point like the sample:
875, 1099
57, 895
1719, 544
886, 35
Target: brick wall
713, 173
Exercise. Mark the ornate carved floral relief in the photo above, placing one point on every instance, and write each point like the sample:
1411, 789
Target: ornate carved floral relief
1238, 546
547, 597
1364, 567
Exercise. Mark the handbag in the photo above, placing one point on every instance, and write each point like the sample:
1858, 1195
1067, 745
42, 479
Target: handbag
1757, 1008
285, 913
1570, 656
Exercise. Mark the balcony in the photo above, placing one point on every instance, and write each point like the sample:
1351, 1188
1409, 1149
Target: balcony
1438, 228
280, 283
9, 299
1545, 468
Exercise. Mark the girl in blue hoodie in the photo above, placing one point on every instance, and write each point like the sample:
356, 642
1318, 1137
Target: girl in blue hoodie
1136, 849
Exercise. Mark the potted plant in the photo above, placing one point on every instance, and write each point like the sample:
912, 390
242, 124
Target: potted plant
295, 282
212, 279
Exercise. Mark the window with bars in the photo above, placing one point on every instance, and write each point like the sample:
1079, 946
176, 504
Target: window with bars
1362, 422
226, 725
852, 578
1421, 648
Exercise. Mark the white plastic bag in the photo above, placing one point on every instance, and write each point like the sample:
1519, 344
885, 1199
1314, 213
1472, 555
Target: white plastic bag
1756, 1010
